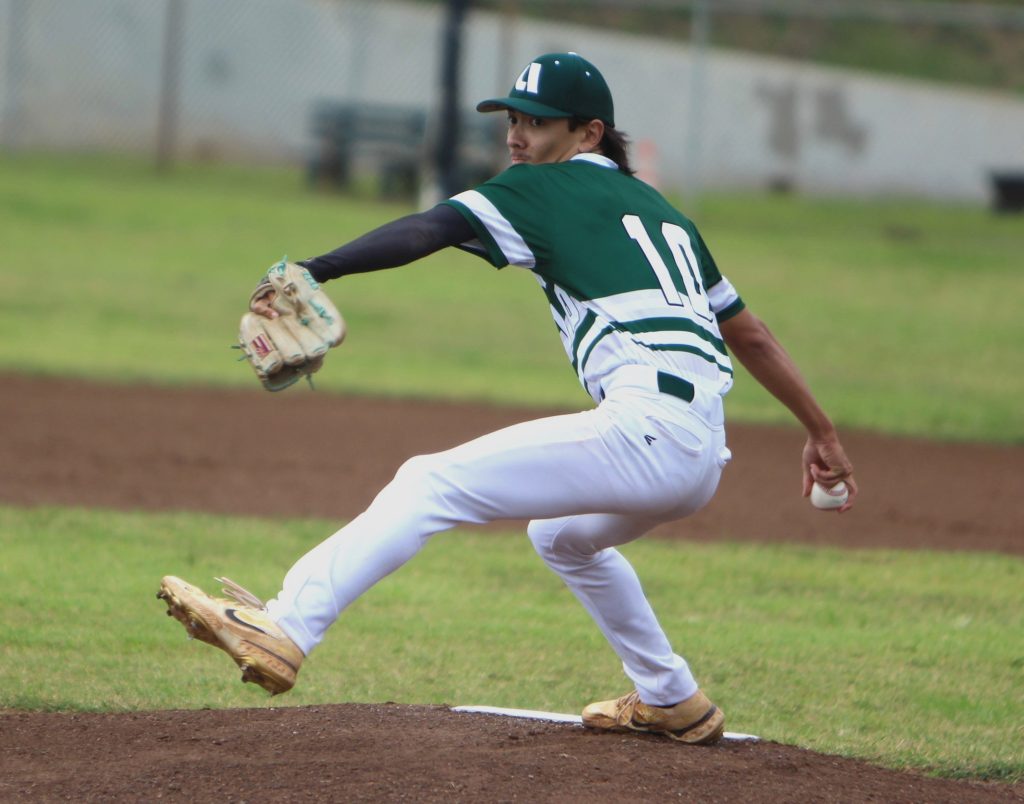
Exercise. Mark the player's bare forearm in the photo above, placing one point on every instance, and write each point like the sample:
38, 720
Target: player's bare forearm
753, 344
823, 458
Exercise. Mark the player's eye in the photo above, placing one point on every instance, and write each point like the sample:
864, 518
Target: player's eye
536, 122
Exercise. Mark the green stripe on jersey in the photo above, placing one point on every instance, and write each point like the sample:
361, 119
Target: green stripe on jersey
693, 350
581, 332
674, 325
579, 364
608, 330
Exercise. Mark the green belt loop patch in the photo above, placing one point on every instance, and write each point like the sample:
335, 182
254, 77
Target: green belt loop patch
675, 386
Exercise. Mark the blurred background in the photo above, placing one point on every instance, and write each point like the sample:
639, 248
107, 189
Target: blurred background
882, 97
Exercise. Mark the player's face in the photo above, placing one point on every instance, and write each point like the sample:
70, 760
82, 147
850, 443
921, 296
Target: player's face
541, 140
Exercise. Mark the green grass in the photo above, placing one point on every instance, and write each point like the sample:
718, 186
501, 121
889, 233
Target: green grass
900, 313
903, 315
905, 659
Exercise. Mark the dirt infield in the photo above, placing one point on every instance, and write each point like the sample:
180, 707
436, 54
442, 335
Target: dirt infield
422, 754
135, 447
86, 444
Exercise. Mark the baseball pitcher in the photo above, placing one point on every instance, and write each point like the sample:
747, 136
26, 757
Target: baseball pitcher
648, 323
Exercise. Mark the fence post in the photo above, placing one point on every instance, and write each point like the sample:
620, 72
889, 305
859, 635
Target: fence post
700, 36
447, 156
16, 70
167, 121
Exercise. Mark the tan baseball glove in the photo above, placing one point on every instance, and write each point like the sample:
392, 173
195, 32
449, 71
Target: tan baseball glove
284, 349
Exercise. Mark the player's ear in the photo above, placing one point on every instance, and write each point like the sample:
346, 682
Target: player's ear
594, 133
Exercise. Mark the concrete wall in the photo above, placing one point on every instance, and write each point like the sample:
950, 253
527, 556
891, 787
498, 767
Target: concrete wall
87, 74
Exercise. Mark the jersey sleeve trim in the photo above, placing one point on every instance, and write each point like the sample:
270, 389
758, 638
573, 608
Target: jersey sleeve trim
504, 244
484, 245
733, 309
722, 296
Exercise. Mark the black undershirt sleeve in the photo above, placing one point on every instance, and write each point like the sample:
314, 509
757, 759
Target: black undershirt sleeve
397, 243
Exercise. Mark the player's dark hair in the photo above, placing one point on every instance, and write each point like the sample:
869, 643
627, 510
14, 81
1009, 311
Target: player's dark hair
614, 144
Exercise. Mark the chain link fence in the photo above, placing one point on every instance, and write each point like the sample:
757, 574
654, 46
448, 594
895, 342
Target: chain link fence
232, 78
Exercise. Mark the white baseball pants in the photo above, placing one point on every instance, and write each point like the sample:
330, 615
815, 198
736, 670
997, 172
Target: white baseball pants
588, 481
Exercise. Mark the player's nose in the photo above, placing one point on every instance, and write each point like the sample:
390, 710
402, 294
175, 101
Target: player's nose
513, 137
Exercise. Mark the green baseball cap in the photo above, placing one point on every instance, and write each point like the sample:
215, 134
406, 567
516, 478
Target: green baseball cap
558, 85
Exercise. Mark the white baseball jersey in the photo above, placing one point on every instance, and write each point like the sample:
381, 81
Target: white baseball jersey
645, 291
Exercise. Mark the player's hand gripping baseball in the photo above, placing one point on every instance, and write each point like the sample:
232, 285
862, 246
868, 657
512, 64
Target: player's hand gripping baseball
825, 462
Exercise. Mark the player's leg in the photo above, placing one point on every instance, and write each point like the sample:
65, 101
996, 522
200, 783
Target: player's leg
666, 699
581, 550
598, 460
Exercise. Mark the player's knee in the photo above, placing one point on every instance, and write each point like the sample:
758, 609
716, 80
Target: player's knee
418, 469
542, 536
556, 542
417, 477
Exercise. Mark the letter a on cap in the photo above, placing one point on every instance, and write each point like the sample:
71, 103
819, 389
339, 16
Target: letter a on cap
529, 80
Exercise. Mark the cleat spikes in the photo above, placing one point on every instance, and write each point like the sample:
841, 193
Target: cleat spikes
249, 675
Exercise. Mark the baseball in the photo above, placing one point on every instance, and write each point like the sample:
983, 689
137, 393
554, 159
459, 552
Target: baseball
827, 499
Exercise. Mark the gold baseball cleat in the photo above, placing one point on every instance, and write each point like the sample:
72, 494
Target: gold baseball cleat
240, 627
696, 720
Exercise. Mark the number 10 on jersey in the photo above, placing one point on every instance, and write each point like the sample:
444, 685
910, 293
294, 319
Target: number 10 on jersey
679, 245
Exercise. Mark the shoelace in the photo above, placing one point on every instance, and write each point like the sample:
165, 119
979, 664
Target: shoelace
240, 594
625, 707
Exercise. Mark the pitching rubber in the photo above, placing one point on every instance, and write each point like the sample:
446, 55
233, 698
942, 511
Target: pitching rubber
577, 720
